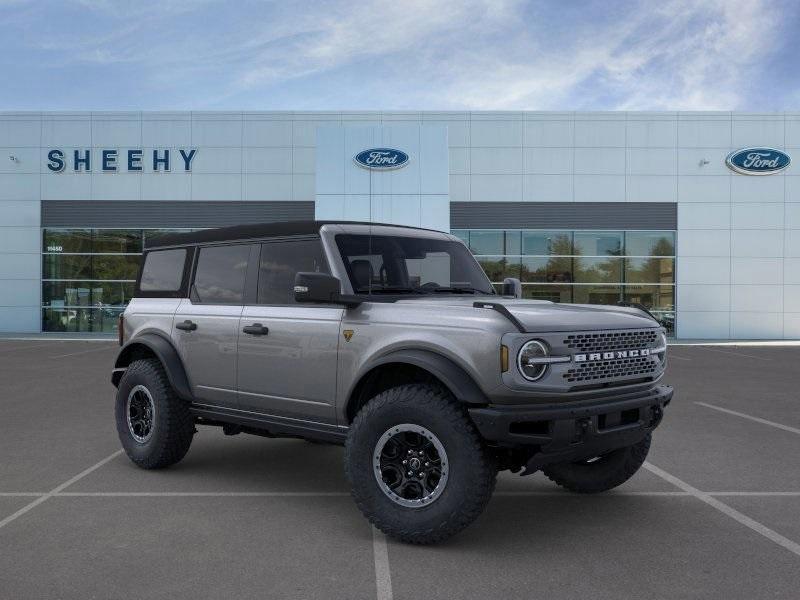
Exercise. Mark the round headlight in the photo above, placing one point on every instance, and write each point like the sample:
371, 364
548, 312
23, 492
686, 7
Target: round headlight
662, 343
528, 360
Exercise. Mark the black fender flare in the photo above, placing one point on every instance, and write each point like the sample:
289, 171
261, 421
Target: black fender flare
455, 378
165, 352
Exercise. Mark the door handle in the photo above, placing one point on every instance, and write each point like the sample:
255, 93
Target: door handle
186, 326
255, 329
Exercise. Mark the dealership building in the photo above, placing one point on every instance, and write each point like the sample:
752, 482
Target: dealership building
695, 215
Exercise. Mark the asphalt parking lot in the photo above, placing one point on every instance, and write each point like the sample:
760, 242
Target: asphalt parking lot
715, 514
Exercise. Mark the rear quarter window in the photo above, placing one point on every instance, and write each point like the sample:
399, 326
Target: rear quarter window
163, 271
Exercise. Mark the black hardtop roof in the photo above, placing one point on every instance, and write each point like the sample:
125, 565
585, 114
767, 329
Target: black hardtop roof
254, 231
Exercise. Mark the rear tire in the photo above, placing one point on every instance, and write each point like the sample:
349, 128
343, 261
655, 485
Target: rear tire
424, 421
153, 424
600, 474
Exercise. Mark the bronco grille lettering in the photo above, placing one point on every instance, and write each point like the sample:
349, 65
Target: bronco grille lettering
611, 355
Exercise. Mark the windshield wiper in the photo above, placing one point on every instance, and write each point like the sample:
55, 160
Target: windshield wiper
389, 289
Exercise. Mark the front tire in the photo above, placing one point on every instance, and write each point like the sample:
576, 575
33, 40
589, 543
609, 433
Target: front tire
153, 424
602, 473
447, 479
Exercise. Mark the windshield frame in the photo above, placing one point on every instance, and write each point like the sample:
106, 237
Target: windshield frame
478, 280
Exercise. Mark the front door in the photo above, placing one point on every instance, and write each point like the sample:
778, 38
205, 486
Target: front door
206, 325
288, 351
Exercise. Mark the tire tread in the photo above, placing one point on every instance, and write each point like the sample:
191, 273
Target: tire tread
438, 399
175, 420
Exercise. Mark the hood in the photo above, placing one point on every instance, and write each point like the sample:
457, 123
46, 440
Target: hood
542, 316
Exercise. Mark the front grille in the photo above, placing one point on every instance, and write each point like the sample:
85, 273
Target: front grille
612, 340
616, 368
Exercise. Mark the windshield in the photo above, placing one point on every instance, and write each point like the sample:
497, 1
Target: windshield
382, 264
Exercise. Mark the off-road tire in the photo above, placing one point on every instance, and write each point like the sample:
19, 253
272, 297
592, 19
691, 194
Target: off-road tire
609, 471
173, 425
472, 470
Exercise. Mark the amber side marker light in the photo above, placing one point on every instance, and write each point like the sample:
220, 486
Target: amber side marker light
503, 358
120, 329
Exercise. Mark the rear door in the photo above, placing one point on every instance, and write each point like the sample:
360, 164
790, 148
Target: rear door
206, 325
288, 351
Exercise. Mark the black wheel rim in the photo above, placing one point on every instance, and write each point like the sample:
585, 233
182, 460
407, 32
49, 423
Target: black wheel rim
140, 413
410, 465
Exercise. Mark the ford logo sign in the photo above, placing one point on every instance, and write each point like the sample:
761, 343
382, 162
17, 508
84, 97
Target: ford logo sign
758, 161
381, 158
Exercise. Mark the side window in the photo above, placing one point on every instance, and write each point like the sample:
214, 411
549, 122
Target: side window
163, 271
220, 274
280, 262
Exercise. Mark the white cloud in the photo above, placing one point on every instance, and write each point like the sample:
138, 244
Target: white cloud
473, 54
685, 55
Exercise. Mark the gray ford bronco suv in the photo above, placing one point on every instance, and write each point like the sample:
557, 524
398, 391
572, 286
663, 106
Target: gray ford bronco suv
392, 341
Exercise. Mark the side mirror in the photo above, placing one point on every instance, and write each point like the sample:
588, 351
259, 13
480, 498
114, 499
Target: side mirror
512, 287
320, 288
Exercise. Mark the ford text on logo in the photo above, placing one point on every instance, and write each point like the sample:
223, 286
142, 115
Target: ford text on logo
111, 161
757, 161
611, 355
381, 158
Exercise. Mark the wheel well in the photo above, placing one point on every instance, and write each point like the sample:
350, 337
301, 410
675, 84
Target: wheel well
385, 377
135, 352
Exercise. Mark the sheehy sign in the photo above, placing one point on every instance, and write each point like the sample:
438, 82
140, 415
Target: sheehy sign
112, 160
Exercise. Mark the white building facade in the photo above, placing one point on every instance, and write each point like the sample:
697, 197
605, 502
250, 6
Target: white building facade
582, 207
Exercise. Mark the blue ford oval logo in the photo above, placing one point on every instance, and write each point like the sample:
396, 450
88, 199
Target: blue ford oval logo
758, 161
381, 158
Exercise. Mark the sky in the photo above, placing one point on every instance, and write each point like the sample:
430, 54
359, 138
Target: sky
400, 55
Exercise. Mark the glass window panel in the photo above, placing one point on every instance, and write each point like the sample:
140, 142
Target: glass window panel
513, 242
163, 270
553, 293
486, 242
67, 240
86, 293
545, 243
220, 274
152, 235
115, 266
596, 294
281, 261
655, 297
650, 270
57, 266
80, 319
117, 240
650, 243
462, 234
598, 243
547, 270
498, 268
598, 270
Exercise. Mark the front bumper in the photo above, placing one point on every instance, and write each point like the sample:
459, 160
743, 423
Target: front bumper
573, 430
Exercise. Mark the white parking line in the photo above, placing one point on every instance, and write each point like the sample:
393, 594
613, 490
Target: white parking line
40, 338
383, 578
203, 494
725, 509
738, 354
756, 494
81, 352
57, 489
558, 494
566, 494
751, 418
25, 347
